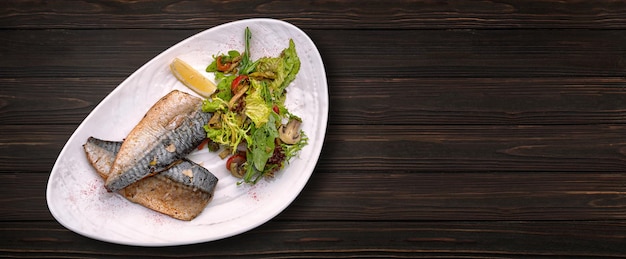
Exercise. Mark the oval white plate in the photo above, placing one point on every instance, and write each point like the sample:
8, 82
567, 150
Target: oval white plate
76, 195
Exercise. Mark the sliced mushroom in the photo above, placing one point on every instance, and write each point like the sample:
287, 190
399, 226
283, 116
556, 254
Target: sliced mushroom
238, 95
237, 170
215, 121
290, 133
233, 65
235, 165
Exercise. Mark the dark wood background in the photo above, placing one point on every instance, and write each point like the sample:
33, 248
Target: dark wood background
456, 128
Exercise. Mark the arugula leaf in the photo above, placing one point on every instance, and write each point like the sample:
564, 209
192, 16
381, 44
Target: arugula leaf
246, 66
260, 148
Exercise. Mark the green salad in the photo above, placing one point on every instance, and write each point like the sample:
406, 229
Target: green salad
250, 122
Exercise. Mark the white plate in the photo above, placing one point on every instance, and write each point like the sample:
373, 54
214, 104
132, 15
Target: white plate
76, 195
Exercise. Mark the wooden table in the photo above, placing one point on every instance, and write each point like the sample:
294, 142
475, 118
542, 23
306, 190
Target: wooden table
456, 128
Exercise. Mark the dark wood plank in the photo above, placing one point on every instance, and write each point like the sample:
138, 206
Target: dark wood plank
416, 196
472, 53
31, 150
392, 196
477, 101
452, 148
457, 128
23, 197
358, 101
346, 53
334, 14
82, 53
51, 100
471, 239
474, 148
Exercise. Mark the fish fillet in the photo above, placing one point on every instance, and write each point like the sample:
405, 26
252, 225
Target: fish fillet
169, 131
181, 191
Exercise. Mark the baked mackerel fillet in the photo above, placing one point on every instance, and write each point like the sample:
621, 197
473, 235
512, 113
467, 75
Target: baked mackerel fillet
182, 191
170, 130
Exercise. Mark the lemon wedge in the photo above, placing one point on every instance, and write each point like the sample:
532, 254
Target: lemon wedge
192, 78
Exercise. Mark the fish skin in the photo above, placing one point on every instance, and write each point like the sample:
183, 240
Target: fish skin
191, 174
182, 191
169, 131
101, 154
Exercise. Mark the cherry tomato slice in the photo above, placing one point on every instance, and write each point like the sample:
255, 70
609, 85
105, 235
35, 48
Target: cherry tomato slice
237, 159
222, 66
237, 81
276, 109
203, 143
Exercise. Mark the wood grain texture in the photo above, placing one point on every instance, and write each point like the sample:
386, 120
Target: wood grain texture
358, 101
322, 239
176, 14
404, 148
345, 53
416, 196
457, 129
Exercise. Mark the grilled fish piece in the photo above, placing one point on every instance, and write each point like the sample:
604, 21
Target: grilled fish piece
169, 131
181, 191
101, 154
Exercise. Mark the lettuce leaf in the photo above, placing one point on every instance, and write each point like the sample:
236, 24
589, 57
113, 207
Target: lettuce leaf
292, 64
223, 86
257, 109
214, 105
284, 68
